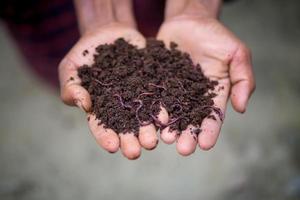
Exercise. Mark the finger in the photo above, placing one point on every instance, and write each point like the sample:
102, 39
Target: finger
210, 128
71, 91
168, 136
163, 116
187, 142
106, 138
148, 137
242, 79
130, 146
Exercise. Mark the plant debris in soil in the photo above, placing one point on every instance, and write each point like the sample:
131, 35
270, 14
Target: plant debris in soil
128, 86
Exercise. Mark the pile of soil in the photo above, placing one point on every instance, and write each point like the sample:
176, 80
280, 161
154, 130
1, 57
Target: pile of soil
129, 85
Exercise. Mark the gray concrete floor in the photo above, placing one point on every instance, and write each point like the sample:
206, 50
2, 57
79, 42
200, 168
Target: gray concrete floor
47, 152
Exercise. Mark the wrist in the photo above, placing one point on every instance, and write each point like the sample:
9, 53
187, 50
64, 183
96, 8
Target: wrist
94, 14
194, 8
213, 7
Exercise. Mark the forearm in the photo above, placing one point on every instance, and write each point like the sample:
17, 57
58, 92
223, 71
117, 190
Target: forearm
203, 8
96, 13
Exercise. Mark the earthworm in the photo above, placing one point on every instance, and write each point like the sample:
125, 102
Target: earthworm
173, 121
137, 113
121, 101
101, 83
153, 116
145, 94
153, 103
157, 86
157, 121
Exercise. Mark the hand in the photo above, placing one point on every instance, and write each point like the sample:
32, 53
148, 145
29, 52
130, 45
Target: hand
73, 94
223, 57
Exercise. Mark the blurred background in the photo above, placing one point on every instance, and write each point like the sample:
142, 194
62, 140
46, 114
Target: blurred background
47, 152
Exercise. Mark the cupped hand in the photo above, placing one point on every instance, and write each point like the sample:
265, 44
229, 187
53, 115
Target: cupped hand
72, 93
223, 57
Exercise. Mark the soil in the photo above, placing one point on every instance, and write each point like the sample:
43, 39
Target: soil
128, 86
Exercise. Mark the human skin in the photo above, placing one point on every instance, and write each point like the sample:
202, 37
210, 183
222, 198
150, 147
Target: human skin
100, 22
103, 21
194, 26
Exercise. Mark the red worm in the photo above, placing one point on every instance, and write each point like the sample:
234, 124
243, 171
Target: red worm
121, 101
173, 121
137, 113
145, 94
157, 121
153, 103
157, 86
101, 83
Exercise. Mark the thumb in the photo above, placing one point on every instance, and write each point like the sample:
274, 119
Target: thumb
242, 78
72, 93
